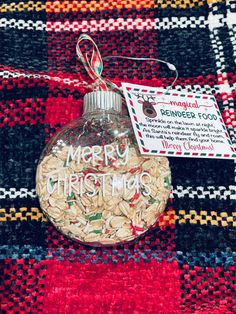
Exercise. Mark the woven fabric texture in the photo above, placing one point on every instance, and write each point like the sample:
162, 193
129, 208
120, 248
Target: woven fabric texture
187, 263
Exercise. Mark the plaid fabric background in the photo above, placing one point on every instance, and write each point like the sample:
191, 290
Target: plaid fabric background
187, 263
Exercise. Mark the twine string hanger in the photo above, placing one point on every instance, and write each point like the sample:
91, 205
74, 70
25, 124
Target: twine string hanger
169, 65
94, 66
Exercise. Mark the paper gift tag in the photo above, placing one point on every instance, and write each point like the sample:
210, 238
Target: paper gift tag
172, 123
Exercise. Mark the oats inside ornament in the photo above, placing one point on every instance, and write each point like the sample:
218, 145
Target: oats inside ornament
92, 182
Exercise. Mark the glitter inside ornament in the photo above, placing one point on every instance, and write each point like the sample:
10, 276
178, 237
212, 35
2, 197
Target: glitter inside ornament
92, 182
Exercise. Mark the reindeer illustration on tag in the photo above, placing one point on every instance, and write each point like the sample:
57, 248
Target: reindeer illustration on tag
148, 105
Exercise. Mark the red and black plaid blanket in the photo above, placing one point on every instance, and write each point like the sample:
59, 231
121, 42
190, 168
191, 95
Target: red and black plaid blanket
187, 263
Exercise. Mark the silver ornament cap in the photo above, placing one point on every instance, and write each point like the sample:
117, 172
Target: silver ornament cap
102, 100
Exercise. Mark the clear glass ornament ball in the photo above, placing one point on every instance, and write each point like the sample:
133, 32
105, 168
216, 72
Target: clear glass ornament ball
93, 184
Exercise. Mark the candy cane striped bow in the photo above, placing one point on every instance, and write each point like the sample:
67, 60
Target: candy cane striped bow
94, 67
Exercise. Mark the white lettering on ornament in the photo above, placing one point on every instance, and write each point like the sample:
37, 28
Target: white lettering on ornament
86, 184
97, 154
